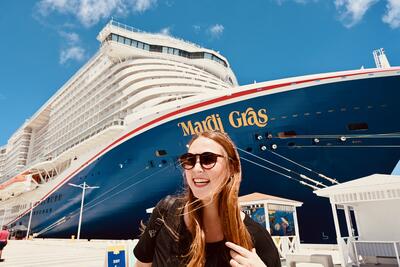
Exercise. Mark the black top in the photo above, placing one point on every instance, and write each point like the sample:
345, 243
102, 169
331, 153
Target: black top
158, 246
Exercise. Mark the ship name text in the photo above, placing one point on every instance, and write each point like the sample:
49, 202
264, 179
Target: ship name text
237, 119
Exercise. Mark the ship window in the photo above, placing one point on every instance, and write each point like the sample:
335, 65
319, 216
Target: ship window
183, 53
127, 41
115, 37
197, 55
140, 45
146, 47
287, 134
156, 48
361, 126
134, 43
161, 152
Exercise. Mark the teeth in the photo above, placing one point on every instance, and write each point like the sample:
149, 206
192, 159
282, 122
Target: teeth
200, 181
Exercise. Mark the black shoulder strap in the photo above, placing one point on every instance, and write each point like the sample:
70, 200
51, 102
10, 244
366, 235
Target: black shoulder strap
169, 211
164, 208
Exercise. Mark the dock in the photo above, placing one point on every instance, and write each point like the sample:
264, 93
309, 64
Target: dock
84, 253
55, 252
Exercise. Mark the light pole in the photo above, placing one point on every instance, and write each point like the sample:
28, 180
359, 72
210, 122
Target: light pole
30, 220
83, 186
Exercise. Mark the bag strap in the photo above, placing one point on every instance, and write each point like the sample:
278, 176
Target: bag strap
169, 212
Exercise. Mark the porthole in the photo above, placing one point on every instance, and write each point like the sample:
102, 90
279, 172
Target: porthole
161, 153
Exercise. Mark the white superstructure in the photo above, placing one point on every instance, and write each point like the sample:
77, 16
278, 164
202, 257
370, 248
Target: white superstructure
133, 75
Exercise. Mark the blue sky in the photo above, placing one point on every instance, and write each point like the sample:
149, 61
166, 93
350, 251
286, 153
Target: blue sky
45, 42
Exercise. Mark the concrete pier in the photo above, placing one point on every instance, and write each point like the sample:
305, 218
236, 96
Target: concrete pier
83, 253
55, 252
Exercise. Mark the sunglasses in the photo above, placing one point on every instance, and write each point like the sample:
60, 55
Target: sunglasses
207, 160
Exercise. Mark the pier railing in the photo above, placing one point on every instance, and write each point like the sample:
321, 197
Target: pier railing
347, 250
357, 251
286, 244
387, 249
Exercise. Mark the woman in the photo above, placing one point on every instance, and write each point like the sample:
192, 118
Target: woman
205, 227
4, 235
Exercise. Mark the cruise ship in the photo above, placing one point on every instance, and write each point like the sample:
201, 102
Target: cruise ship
110, 137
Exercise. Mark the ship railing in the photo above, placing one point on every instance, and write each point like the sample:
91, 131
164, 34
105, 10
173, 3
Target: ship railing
132, 29
286, 244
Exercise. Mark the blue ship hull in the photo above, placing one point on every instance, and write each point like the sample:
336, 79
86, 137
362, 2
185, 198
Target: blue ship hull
133, 176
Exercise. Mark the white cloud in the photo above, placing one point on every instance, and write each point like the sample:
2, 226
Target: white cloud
143, 5
47, 6
72, 49
196, 28
216, 30
72, 53
392, 15
90, 12
165, 31
71, 37
352, 11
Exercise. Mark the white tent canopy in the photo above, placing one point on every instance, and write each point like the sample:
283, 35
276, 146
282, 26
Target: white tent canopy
371, 188
375, 200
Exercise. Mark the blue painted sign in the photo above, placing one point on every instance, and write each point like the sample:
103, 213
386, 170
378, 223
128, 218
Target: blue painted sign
116, 256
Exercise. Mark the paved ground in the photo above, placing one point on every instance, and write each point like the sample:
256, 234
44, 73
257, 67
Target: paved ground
63, 253
74, 253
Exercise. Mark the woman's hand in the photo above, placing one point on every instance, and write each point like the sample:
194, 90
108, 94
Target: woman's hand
243, 257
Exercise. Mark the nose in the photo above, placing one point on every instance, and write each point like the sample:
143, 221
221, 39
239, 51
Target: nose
197, 166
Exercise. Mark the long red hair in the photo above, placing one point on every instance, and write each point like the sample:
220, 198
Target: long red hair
233, 227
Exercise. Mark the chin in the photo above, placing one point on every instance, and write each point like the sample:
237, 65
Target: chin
204, 197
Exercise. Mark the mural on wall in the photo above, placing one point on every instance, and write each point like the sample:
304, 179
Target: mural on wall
256, 212
281, 222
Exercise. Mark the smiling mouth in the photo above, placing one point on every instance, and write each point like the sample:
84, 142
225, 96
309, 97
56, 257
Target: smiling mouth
200, 182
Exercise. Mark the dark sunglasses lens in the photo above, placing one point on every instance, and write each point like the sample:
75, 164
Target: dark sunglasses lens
187, 161
208, 160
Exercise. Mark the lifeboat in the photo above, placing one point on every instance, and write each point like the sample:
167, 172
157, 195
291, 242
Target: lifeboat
17, 185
